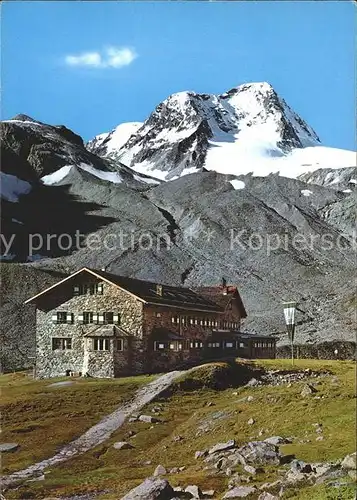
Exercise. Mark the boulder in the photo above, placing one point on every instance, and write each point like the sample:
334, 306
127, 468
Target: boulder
307, 390
6, 447
267, 496
250, 399
260, 453
353, 474
177, 438
349, 462
222, 447
253, 382
237, 480
122, 445
194, 490
277, 440
251, 421
160, 471
300, 466
200, 454
151, 489
250, 469
208, 493
240, 492
149, 419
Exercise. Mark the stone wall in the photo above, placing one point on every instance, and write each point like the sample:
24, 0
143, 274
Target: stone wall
324, 350
51, 363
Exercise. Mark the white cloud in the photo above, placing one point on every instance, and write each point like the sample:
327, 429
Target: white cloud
110, 57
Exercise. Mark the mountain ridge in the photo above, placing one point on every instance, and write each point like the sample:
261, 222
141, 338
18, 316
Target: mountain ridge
229, 132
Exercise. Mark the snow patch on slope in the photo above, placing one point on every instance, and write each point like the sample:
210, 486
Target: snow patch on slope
57, 176
306, 192
113, 177
256, 158
237, 184
62, 173
11, 187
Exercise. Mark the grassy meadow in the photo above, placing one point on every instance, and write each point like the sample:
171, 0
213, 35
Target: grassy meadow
41, 419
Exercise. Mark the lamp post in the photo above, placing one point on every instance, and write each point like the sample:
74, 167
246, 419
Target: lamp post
289, 313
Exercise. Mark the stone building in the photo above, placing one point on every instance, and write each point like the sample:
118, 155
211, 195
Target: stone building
103, 325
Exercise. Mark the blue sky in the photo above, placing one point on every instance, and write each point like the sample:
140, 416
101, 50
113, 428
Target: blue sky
93, 65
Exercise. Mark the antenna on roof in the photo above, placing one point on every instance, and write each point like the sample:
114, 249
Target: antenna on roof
105, 267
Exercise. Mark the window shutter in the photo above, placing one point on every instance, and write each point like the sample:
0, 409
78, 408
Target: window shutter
101, 319
95, 317
116, 318
100, 288
69, 318
80, 318
54, 318
76, 290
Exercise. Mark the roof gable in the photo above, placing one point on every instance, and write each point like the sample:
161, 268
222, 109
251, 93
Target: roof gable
146, 292
223, 295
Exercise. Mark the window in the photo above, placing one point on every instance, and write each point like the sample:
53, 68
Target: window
198, 345
87, 317
229, 344
214, 344
101, 344
242, 345
108, 318
158, 315
172, 346
119, 345
88, 289
60, 317
61, 344
159, 345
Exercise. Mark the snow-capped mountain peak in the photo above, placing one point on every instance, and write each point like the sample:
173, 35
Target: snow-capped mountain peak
249, 128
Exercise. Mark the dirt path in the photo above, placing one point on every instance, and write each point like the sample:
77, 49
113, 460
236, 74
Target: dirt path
99, 432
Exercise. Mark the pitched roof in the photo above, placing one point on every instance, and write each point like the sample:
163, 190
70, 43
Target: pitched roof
146, 291
222, 295
171, 295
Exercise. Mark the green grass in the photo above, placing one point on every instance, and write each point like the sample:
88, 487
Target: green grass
277, 410
42, 418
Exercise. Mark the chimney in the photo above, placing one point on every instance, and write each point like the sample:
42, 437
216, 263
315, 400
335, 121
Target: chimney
159, 290
224, 286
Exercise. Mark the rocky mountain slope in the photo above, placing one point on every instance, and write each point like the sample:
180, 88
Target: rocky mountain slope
277, 237
250, 128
